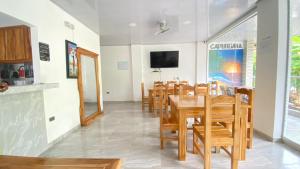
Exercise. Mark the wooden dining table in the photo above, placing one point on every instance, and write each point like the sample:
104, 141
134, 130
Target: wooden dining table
14, 162
183, 107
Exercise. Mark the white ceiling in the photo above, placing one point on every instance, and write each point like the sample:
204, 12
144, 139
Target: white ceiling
207, 17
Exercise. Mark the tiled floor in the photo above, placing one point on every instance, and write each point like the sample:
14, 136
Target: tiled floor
126, 132
293, 128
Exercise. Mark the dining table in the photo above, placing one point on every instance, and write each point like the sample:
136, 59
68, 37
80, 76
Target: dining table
184, 107
18, 162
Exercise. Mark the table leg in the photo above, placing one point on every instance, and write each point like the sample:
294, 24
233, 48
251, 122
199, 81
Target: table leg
182, 136
172, 114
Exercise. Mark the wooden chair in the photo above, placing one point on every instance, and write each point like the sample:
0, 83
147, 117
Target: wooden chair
219, 136
166, 123
247, 96
145, 99
214, 87
156, 97
201, 89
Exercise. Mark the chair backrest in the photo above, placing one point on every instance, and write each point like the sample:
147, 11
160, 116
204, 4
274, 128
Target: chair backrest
170, 87
143, 89
158, 82
201, 89
247, 95
184, 82
156, 89
214, 87
222, 109
161, 93
182, 89
171, 82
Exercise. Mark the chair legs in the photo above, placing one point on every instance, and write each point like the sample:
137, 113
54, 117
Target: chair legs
194, 143
235, 155
250, 137
207, 158
161, 140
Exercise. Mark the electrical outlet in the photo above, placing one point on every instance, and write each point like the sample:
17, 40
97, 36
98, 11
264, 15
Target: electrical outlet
52, 118
107, 92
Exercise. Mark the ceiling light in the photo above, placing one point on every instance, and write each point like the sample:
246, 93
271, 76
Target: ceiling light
187, 22
132, 24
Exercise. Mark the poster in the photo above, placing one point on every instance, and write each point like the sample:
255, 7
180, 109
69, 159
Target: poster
225, 63
71, 55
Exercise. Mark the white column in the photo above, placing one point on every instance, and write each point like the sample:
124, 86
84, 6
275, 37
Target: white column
201, 67
137, 70
271, 67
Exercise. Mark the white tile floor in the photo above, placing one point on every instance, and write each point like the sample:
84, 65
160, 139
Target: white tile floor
293, 128
126, 132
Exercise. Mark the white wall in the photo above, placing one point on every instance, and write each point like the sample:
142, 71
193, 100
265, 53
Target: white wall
48, 19
137, 51
117, 82
271, 67
186, 66
120, 83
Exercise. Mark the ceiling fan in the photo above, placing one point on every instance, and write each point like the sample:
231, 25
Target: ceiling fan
163, 27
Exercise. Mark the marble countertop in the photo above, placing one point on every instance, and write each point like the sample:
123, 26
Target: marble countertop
29, 88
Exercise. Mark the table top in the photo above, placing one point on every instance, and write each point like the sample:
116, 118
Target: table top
11, 162
188, 102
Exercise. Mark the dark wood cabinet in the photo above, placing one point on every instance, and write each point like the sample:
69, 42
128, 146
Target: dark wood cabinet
15, 44
2, 44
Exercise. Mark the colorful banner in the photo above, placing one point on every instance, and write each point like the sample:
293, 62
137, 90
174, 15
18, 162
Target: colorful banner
225, 63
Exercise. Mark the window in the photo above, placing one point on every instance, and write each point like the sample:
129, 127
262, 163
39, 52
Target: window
292, 124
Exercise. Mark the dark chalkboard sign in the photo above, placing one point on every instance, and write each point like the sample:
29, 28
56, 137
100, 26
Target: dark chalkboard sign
44, 51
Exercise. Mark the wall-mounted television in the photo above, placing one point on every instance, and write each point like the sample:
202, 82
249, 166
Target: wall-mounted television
164, 59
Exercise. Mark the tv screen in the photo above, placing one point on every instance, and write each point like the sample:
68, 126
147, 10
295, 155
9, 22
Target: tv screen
164, 59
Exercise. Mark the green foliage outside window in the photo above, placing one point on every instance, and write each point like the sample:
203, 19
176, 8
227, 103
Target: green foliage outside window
295, 70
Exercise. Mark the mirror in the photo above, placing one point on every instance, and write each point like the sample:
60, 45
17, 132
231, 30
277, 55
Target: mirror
88, 84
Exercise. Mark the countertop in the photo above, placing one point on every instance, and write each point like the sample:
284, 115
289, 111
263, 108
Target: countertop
29, 88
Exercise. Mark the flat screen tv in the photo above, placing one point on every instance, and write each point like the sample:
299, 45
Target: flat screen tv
164, 59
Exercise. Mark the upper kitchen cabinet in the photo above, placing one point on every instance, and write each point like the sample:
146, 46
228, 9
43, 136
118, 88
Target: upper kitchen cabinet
15, 44
2, 44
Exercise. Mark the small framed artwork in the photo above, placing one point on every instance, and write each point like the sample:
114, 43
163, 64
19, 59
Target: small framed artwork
71, 55
44, 51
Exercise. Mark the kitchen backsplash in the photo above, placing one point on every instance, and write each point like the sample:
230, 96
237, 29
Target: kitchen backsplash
16, 74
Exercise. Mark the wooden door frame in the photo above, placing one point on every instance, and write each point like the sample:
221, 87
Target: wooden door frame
87, 120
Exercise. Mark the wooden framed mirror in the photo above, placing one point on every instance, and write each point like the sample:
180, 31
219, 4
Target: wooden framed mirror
88, 86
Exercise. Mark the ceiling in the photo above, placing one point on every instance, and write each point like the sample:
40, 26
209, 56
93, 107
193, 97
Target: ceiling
189, 20
245, 31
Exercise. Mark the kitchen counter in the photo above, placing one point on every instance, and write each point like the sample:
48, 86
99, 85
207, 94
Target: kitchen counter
28, 88
22, 120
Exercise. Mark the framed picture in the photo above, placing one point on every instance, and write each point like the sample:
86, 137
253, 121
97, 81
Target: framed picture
71, 55
44, 51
